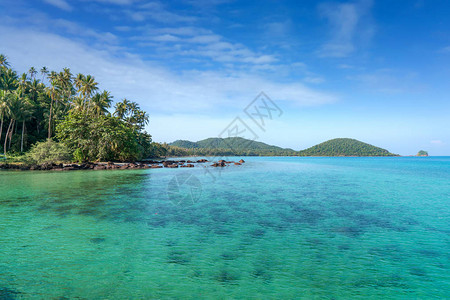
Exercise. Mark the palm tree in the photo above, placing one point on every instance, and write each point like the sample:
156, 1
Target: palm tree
121, 109
24, 113
3, 108
13, 108
88, 86
101, 103
3, 61
52, 92
23, 82
44, 72
8, 80
77, 104
32, 71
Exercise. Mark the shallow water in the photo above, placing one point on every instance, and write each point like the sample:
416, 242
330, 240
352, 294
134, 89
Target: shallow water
271, 228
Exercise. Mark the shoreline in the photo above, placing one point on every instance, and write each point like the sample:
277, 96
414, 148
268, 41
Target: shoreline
148, 164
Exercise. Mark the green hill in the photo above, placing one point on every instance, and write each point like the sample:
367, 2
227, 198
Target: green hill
241, 146
231, 146
344, 147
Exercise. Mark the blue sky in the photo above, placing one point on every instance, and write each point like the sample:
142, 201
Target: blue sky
377, 71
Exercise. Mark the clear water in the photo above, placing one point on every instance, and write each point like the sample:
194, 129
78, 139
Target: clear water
270, 229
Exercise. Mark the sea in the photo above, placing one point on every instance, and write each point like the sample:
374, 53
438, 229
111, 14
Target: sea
271, 228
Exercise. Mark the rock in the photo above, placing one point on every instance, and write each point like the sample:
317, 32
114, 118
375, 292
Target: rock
237, 164
173, 166
100, 167
202, 161
156, 167
242, 161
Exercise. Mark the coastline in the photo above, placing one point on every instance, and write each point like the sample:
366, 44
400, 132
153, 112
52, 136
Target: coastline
149, 164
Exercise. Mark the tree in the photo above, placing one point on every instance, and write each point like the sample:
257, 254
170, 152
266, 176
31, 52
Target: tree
52, 92
13, 108
8, 80
87, 87
96, 139
101, 102
131, 113
28, 106
3, 61
3, 110
25, 112
32, 71
44, 72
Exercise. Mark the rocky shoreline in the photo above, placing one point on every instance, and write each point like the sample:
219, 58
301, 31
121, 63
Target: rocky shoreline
150, 164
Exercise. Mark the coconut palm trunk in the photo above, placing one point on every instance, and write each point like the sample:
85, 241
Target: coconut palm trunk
1, 129
11, 133
6, 137
23, 129
50, 120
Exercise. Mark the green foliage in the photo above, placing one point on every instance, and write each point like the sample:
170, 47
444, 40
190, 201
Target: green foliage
226, 147
99, 139
422, 153
30, 110
242, 147
48, 152
344, 147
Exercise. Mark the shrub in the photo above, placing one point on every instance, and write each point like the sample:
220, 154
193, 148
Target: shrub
48, 152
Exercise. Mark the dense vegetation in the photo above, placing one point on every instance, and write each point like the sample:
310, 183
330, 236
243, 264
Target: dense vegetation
422, 153
71, 111
226, 147
240, 146
344, 147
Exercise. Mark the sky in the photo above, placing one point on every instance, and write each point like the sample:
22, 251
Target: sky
376, 71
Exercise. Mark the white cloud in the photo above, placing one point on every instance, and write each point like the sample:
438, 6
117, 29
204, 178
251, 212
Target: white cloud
346, 20
61, 4
437, 142
157, 88
198, 42
312, 79
156, 11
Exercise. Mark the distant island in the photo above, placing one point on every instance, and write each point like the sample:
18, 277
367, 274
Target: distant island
237, 146
345, 147
422, 153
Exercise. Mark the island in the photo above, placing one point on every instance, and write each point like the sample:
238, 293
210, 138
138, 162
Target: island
422, 153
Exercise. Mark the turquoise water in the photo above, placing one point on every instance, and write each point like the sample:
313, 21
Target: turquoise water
328, 228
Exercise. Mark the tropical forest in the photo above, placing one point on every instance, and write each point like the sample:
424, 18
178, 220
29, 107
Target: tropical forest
66, 117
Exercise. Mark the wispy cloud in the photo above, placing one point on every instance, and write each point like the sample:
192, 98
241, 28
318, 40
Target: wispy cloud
154, 86
61, 4
389, 81
156, 11
437, 142
346, 21
196, 42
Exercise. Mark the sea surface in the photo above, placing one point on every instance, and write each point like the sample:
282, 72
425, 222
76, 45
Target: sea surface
273, 228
